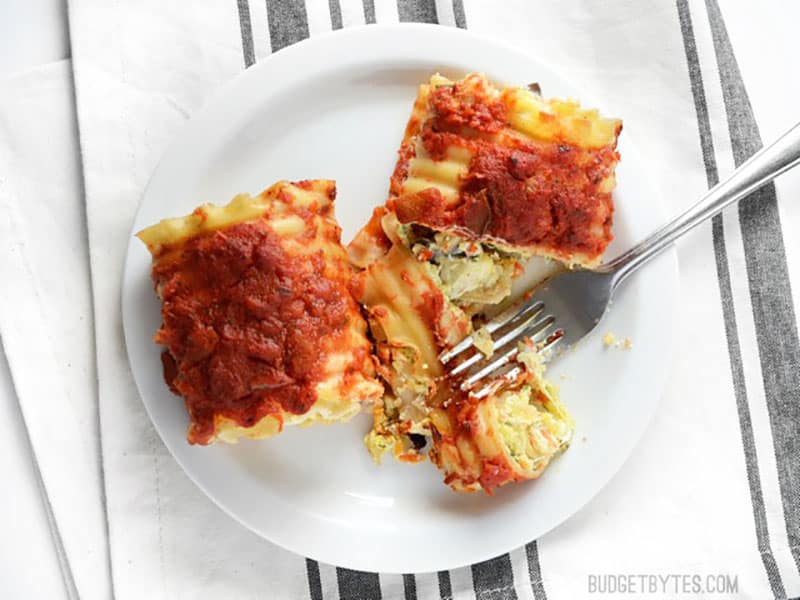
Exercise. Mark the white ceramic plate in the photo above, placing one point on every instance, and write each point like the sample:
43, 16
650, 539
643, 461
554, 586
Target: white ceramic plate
335, 107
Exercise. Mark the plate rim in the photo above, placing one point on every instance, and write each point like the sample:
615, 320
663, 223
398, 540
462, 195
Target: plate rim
216, 101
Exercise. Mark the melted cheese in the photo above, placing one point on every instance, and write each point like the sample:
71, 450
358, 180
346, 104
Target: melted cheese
543, 119
278, 202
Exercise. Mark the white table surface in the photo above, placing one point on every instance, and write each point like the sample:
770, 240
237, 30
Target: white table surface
32, 32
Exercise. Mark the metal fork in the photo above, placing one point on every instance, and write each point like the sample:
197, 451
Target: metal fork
565, 308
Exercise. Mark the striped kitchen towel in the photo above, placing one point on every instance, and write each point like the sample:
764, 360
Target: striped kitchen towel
712, 493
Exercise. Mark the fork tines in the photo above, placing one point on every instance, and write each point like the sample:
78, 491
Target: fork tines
507, 330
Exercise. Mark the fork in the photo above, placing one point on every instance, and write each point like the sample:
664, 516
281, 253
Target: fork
566, 307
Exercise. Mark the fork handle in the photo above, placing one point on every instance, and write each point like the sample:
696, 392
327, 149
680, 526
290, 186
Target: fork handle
759, 169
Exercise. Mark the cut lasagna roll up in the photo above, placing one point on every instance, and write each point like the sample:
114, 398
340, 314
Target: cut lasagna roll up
415, 313
485, 180
259, 328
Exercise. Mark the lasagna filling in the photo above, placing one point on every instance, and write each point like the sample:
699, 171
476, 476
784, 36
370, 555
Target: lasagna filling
532, 422
510, 435
469, 273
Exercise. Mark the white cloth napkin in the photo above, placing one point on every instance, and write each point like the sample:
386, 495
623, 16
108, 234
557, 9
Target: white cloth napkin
712, 489
46, 318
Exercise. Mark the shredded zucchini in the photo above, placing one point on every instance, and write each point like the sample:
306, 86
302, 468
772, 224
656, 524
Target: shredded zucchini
467, 272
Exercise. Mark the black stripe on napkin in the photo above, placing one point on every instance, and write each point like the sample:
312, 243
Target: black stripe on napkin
729, 316
493, 579
445, 585
770, 289
410, 587
246, 28
314, 581
358, 585
288, 22
369, 11
336, 14
459, 15
535, 571
417, 11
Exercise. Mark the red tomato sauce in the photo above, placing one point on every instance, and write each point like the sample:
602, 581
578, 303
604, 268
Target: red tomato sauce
545, 195
518, 191
245, 325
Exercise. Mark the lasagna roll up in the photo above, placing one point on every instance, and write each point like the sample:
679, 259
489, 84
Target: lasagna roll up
508, 167
486, 179
259, 328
